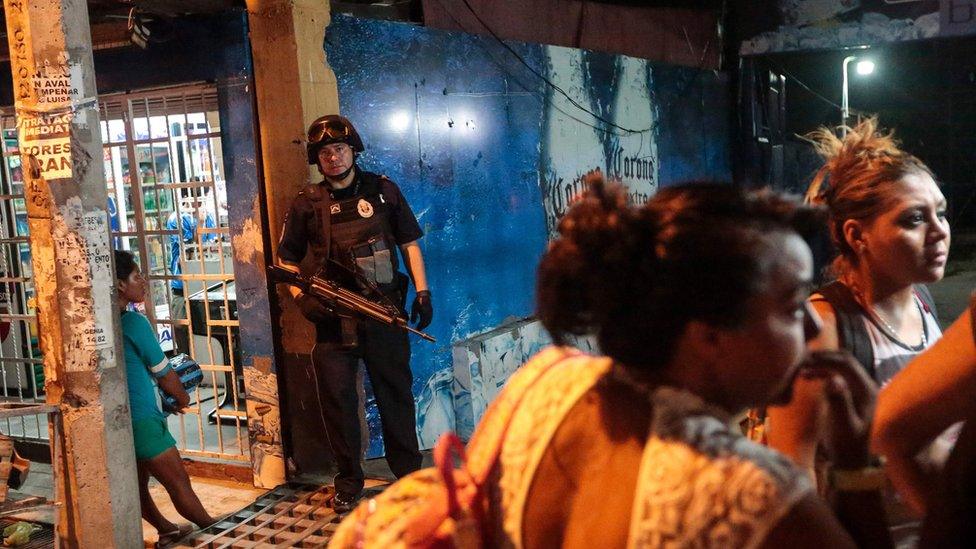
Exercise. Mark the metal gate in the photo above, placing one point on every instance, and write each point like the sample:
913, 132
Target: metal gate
167, 204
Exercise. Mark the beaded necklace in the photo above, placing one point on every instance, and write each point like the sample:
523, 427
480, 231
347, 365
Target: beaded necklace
890, 331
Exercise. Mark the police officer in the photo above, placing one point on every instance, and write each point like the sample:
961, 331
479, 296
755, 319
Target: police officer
352, 224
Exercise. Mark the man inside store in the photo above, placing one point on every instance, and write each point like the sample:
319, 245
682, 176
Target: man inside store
186, 221
351, 225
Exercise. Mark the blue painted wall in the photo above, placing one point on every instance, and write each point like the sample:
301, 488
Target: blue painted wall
475, 140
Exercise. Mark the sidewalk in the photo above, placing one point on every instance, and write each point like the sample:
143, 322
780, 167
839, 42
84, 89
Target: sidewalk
219, 497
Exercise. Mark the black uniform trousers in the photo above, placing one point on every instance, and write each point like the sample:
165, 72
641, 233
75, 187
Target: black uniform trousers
385, 350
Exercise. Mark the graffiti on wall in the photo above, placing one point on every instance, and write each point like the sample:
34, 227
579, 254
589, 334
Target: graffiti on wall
615, 134
488, 155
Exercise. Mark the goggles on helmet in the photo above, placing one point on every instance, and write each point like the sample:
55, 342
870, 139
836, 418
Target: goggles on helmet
333, 131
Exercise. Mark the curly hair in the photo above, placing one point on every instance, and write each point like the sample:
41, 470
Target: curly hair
635, 276
858, 179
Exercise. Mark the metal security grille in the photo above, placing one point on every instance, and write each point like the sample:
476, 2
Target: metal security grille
291, 515
167, 204
21, 363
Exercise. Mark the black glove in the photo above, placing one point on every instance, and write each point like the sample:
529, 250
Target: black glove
422, 309
312, 307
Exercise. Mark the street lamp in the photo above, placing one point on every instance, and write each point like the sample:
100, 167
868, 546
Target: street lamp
863, 67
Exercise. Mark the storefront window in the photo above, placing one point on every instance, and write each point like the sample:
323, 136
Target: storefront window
167, 204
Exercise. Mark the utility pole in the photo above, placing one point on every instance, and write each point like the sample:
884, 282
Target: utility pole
61, 152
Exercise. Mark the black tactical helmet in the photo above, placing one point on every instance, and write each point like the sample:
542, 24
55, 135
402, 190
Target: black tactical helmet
329, 129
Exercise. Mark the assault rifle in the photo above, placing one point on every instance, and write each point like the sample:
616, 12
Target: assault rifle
340, 298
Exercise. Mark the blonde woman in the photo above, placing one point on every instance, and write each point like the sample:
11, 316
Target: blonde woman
888, 224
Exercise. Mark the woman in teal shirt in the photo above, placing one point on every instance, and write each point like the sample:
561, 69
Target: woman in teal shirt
146, 366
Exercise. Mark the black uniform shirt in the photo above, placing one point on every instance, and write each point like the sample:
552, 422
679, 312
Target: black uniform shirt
403, 225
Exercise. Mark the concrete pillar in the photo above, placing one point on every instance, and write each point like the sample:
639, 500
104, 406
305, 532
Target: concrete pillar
294, 85
61, 151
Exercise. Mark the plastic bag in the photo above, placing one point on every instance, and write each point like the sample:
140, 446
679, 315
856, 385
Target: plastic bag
18, 533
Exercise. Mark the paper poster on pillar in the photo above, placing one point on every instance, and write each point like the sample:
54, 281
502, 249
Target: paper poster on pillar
58, 84
94, 231
82, 250
45, 133
47, 137
54, 89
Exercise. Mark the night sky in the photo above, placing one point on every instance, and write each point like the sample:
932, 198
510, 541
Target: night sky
923, 90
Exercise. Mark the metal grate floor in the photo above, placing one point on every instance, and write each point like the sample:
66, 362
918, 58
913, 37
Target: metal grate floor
291, 515
42, 539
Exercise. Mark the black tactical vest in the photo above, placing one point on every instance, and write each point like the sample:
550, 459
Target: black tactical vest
355, 232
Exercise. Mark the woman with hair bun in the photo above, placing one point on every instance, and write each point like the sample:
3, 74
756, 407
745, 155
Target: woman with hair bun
888, 224
698, 300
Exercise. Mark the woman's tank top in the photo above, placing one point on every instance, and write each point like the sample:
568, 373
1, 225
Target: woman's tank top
892, 355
